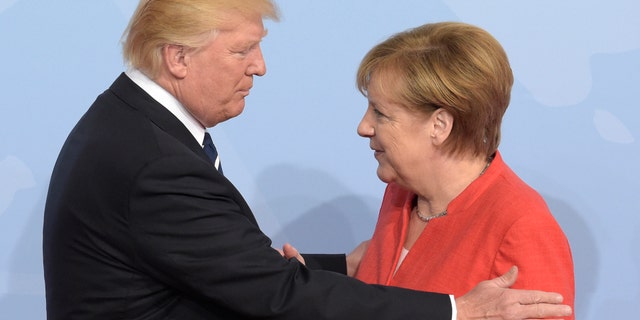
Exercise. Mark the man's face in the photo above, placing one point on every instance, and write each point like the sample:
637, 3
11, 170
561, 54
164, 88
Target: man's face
220, 74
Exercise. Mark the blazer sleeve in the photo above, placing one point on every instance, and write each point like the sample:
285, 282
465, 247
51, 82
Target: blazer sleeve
189, 231
329, 262
537, 245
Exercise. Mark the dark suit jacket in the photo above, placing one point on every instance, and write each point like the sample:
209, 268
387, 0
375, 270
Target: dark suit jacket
139, 225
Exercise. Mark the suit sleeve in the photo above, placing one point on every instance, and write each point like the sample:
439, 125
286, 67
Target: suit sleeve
329, 262
190, 232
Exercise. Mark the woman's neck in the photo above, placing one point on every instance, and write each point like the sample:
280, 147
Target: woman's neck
450, 177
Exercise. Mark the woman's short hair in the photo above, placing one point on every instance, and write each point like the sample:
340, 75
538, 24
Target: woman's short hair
451, 65
192, 23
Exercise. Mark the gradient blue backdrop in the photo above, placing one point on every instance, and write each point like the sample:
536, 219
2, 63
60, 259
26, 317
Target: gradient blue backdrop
571, 131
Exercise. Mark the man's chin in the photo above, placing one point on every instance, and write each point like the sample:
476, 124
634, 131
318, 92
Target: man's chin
235, 110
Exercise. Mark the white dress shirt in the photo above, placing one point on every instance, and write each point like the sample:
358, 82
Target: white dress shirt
168, 101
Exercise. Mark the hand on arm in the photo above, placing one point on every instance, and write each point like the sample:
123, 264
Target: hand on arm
288, 251
492, 299
353, 259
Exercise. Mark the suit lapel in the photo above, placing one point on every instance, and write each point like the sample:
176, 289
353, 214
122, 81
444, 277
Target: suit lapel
129, 92
125, 89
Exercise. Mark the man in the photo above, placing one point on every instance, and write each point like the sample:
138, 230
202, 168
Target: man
141, 224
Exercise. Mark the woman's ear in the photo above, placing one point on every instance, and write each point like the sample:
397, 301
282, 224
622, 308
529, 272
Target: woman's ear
442, 126
175, 60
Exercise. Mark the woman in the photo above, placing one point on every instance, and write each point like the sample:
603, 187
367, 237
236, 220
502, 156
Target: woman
453, 212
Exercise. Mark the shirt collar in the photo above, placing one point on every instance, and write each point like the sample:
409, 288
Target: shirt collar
168, 101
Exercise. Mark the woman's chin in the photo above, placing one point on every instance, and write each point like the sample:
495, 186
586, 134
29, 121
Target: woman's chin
384, 175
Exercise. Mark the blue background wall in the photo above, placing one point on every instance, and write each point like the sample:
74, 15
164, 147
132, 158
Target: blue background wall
571, 132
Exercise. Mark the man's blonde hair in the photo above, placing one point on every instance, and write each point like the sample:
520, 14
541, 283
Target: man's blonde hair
190, 23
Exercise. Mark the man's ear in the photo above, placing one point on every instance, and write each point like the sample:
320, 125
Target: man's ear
442, 126
175, 60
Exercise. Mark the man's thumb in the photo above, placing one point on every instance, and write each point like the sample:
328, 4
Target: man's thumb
508, 279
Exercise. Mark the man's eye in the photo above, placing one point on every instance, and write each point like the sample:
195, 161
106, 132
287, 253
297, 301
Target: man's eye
245, 51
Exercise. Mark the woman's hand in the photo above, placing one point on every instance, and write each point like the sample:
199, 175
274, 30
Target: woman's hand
288, 251
354, 258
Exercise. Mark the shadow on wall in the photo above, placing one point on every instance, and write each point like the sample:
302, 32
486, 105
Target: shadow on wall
25, 298
317, 212
336, 226
583, 248
616, 308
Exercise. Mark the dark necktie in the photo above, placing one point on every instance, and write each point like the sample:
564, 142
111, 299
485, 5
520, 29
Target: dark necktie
210, 150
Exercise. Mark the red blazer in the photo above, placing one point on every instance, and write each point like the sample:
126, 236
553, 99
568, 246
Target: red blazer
496, 222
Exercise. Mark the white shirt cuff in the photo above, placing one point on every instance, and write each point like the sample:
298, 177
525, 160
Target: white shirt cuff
454, 310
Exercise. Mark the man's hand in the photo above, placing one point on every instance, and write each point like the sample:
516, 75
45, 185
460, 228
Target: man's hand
288, 252
492, 299
354, 258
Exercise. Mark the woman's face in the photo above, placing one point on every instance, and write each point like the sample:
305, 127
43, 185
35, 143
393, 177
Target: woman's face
398, 136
